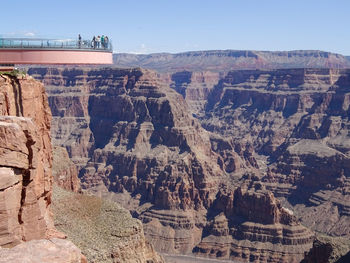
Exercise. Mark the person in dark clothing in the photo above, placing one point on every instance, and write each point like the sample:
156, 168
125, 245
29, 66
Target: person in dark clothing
79, 41
93, 42
103, 41
106, 41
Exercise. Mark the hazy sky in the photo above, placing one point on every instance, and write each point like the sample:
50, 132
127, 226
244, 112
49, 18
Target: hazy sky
148, 26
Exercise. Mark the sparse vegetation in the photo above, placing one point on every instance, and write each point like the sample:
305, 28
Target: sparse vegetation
92, 224
14, 73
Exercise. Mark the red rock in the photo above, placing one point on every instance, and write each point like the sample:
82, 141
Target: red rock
254, 227
43, 251
25, 160
64, 171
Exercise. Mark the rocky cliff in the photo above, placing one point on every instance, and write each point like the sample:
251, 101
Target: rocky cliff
297, 121
226, 60
193, 86
135, 141
64, 171
250, 225
146, 145
26, 179
25, 161
328, 250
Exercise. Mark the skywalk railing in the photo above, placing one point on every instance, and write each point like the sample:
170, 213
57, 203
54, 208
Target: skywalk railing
55, 44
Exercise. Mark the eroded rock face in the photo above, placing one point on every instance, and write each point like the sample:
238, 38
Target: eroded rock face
147, 145
328, 250
64, 171
146, 151
297, 121
195, 87
250, 225
25, 161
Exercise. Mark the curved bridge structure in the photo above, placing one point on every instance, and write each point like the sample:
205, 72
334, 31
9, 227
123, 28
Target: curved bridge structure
54, 51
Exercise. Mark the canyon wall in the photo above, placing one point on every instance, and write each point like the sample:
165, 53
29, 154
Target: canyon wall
27, 228
297, 122
64, 171
25, 161
226, 60
135, 141
26, 164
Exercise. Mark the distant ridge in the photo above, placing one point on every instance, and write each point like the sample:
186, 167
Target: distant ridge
225, 60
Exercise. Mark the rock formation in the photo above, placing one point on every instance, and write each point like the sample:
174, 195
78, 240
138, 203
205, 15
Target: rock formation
250, 225
64, 171
296, 120
226, 60
44, 250
147, 144
148, 153
25, 161
328, 250
25, 176
193, 86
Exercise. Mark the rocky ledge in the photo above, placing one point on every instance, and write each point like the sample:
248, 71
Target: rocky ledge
43, 251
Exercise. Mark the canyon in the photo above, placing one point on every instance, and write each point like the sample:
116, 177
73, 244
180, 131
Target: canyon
226, 60
32, 210
194, 154
27, 227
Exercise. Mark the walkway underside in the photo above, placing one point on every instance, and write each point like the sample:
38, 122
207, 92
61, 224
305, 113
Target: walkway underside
22, 56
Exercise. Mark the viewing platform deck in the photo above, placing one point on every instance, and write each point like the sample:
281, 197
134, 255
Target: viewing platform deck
54, 51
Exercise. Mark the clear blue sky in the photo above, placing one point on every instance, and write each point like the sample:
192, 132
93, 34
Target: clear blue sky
148, 26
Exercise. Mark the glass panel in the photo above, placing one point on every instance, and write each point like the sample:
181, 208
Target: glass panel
32, 43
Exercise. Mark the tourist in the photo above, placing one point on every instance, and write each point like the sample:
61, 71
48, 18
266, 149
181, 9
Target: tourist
98, 41
106, 42
93, 42
103, 41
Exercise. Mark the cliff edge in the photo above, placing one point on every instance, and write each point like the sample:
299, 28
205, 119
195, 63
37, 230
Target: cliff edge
27, 231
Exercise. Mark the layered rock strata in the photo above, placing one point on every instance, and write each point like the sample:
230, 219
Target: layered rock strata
250, 225
25, 176
146, 144
328, 250
193, 86
64, 171
226, 60
297, 120
148, 153
25, 161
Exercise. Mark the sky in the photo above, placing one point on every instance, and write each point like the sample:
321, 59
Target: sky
152, 26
